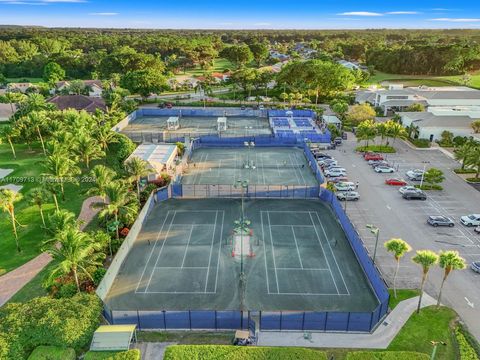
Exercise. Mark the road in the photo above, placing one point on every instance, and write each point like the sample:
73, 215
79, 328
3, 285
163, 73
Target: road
383, 206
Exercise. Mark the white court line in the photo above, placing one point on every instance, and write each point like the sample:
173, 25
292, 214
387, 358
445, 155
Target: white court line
324, 253
296, 245
219, 250
308, 294
182, 268
334, 257
265, 252
161, 249
151, 252
292, 161
273, 251
295, 171
186, 247
304, 269
211, 250
178, 292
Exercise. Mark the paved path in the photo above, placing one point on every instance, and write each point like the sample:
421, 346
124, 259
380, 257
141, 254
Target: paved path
379, 339
152, 350
14, 280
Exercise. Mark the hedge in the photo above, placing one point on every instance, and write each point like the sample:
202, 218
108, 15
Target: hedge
133, 354
429, 187
228, 352
420, 143
386, 355
467, 352
386, 149
52, 353
66, 322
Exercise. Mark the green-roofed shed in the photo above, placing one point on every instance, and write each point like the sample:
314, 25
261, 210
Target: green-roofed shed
113, 337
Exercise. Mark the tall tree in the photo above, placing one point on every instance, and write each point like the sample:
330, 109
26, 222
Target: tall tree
53, 73
398, 248
239, 55
8, 198
103, 177
259, 51
361, 112
424, 258
463, 152
61, 168
87, 149
473, 159
8, 133
137, 168
449, 261
144, 82
39, 196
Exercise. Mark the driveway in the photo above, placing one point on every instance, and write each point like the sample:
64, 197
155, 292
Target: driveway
383, 206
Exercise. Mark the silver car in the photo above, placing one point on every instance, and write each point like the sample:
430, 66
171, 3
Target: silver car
348, 195
475, 266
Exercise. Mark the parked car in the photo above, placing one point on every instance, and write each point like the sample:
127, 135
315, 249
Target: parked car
344, 136
375, 163
414, 195
337, 179
334, 172
338, 141
475, 266
477, 229
415, 175
396, 182
373, 157
348, 196
384, 169
470, 220
345, 186
439, 220
327, 162
407, 188
334, 167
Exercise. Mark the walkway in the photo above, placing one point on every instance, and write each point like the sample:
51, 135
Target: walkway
379, 339
14, 280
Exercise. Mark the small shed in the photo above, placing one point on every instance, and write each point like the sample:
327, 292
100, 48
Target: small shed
160, 157
173, 123
332, 119
113, 338
222, 123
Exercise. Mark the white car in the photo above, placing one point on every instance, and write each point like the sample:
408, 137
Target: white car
470, 220
345, 186
348, 195
384, 169
327, 162
335, 173
477, 229
339, 168
416, 174
407, 188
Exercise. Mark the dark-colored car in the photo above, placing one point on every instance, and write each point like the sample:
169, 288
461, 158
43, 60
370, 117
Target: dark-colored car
475, 266
344, 136
414, 195
338, 141
439, 220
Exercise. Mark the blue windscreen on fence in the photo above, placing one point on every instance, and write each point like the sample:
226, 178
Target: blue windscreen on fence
295, 113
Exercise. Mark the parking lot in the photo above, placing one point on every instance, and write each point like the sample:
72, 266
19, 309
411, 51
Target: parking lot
383, 206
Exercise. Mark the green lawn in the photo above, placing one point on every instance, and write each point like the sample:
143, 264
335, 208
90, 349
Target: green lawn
187, 337
25, 79
431, 324
417, 80
31, 234
402, 294
219, 65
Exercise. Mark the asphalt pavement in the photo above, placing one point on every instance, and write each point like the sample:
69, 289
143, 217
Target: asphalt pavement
383, 206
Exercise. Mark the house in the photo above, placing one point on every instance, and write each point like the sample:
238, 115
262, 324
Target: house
430, 126
160, 158
95, 87
221, 76
398, 98
19, 87
78, 102
6, 111
279, 56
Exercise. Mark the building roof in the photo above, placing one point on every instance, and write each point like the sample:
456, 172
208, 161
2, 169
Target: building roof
157, 156
427, 119
457, 95
98, 83
113, 337
401, 102
365, 96
6, 111
78, 102
331, 119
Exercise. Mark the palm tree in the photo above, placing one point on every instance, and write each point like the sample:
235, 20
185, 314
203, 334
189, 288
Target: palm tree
462, 153
7, 132
399, 248
137, 168
61, 220
473, 159
449, 261
476, 126
60, 167
54, 189
14, 98
424, 258
105, 137
38, 119
366, 130
396, 131
120, 202
8, 198
77, 254
382, 131
88, 149
103, 176
38, 197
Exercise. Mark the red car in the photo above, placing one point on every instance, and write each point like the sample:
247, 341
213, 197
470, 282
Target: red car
373, 157
396, 182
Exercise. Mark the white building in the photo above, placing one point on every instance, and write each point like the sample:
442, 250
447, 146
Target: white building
19, 87
160, 158
332, 119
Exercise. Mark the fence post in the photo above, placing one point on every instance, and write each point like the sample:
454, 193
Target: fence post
348, 320
260, 320
281, 318
164, 319
326, 319
371, 320
303, 321
190, 319
138, 321
216, 327
241, 319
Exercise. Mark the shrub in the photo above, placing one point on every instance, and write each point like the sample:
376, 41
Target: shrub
459, 140
429, 187
469, 338
66, 291
386, 355
98, 275
133, 354
228, 352
46, 321
145, 193
467, 352
464, 171
377, 148
52, 353
420, 143
473, 180
118, 152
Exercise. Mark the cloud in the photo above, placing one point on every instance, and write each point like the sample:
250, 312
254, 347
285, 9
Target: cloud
457, 20
262, 24
103, 14
440, 9
360, 13
402, 13
21, 3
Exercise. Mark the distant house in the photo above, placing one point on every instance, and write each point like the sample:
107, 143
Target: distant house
19, 87
95, 87
221, 76
78, 102
6, 112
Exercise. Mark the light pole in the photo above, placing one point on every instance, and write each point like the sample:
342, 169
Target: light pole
242, 184
376, 231
423, 173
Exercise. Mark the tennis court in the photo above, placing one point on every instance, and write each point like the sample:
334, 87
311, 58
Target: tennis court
259, 166
200, 125
183, 259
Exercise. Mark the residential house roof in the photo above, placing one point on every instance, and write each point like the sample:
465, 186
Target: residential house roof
97, 83
78, 102
6, 111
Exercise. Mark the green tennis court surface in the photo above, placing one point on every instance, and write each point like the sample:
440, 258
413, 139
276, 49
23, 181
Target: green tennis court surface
201, 125
300, 260
266, 166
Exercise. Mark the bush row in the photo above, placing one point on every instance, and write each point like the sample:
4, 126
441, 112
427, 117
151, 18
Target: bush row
133, 354
470, 339
420, 143
387, 149
228, 352
429, 187
386, 355
467, 352
52, 353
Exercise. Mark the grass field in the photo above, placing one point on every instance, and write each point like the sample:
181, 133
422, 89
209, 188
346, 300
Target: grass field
418, 80
402, 294
31, 234
219, 65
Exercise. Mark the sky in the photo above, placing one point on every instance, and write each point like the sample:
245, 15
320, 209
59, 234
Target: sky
242, 14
